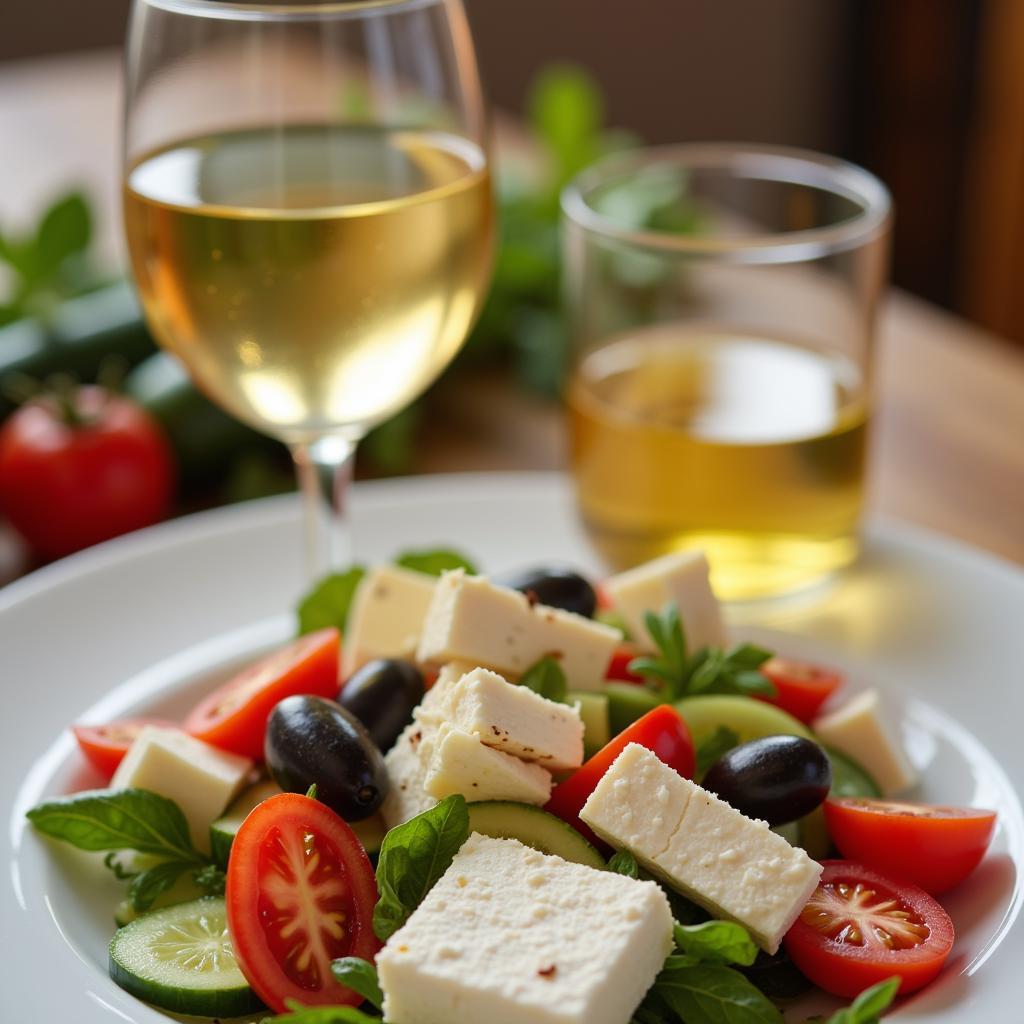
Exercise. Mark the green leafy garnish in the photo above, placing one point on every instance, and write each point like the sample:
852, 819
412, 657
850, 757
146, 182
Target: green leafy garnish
720, 742
703, 993
299, 1014
413, 857
677, 673
868, 1007
329, 602
433, 563
360, 976
722, 942
130, 819
547, 678
624, 863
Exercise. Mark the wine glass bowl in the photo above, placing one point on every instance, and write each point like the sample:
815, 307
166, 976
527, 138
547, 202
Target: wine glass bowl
308, 207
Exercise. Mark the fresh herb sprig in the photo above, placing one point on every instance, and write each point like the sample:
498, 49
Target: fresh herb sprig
547, 678
130, 819
413, 857
676, 673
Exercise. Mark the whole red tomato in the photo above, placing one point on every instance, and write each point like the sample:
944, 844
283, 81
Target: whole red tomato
82, 467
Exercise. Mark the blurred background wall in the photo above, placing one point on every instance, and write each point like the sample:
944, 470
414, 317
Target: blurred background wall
929, 95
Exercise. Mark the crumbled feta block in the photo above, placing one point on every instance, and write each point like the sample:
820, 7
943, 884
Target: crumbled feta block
407, 763
460, 763
860, 729
436, 696
512, 719
681, 577
387, 616
200, 779
511, 936
731, 865
472, 619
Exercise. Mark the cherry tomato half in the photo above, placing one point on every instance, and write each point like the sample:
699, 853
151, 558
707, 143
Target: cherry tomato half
933, 847
618, 667
800, 686
300, 893
234, 717
861, 927
661, 731
105, 745
77, 473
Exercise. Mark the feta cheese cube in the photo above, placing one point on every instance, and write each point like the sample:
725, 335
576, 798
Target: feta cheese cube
386, 617
681, 577
731, 865
860, 729
510, 936
472, 619
512, 719
435, 698
407, 763
460, 763
200, 779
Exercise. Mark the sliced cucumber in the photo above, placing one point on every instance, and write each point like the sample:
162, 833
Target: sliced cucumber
750, 719
183, 890
594, 712
504, 819
180, 959
627, 702
223, 830
849, 777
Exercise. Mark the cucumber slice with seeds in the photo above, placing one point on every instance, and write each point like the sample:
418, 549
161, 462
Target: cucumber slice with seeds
180, 959
505, 819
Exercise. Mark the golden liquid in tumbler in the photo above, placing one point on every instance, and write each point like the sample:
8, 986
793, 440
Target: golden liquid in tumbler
313, 277
749, 447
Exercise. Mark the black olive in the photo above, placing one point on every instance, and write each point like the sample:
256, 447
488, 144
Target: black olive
382, 695
310, 741
555, 586
777, 778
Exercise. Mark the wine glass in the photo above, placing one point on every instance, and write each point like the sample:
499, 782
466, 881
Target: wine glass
309, 214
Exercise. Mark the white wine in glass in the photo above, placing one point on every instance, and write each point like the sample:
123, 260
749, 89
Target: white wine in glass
314, 273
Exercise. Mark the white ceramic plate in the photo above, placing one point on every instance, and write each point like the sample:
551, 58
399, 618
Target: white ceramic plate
144, 623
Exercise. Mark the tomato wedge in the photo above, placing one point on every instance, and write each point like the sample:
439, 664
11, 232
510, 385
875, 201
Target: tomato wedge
300, 893
933, 847
661, 730
861, 927
234, 717
618, 667
105, 745
801, 686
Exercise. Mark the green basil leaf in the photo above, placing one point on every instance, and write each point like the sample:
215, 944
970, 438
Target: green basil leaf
155, 881
547, 678
716, 942
64, 231
328, 603
713, 994
433, 563
359, 975
413, 857
869, 1005
749, 681
624, 863
720, 742
130, 819
212, 879
300, 1014
748, 656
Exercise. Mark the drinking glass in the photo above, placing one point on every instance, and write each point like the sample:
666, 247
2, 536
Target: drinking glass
309, 213
722, 303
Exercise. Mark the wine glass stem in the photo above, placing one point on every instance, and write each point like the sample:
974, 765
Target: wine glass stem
324, 468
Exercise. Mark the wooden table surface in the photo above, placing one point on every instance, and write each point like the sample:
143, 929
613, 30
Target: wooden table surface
948, 448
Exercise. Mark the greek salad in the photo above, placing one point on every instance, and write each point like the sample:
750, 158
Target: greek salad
533, 799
